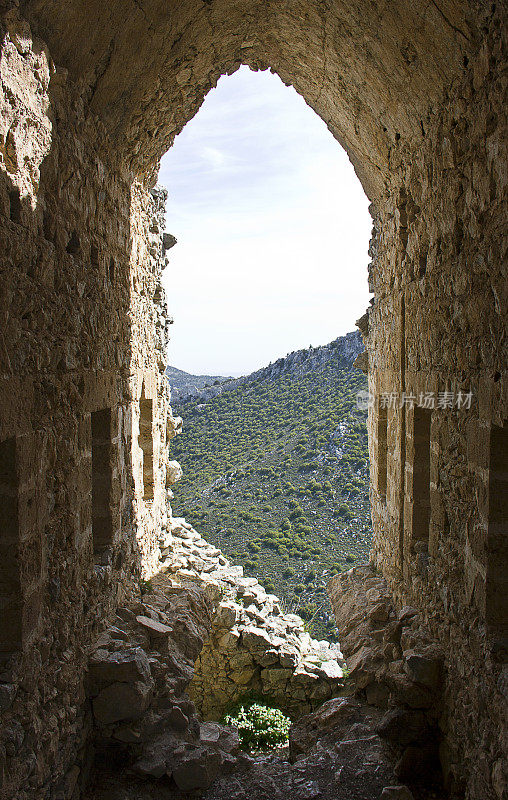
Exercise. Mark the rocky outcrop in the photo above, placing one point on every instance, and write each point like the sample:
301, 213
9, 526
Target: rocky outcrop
253, 648
183, 384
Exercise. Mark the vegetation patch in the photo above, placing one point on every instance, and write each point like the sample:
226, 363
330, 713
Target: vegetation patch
259, 726
275, 473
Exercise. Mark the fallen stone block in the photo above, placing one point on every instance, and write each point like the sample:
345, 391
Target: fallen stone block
155, 630
121, 701
128, 665
196, 768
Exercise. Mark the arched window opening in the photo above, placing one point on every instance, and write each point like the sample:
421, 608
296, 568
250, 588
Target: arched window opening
273, 233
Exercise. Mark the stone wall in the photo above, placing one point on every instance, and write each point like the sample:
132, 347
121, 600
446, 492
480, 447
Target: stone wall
82, 335
89, 102
438, 325
253, 649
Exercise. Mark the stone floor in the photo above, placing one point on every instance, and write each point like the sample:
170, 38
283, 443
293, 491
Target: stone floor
334, 754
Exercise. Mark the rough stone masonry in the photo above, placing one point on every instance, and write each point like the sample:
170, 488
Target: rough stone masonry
92, 94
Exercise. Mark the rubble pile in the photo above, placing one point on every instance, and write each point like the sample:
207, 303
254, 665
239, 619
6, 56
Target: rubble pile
253, 648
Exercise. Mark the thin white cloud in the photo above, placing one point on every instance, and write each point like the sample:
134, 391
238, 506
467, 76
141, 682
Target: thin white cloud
272, 227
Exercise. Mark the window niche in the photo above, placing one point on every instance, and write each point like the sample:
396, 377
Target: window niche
421, 474
15, 206
145, 441
382, 438
102, 521
10, 586
497, 537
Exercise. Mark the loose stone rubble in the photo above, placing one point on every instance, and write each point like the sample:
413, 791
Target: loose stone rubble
203, 636
393, 665
375, 740
153, 652
137, 676
253, 649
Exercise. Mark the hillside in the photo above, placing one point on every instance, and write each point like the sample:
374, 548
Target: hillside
184, 384
276, 473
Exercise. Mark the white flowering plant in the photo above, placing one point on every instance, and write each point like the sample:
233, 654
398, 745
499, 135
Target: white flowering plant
259, 726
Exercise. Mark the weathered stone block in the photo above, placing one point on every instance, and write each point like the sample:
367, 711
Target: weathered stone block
121, 701
129, 665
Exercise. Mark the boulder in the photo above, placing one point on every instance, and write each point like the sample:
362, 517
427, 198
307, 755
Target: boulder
196, 768
121, 701
127, 666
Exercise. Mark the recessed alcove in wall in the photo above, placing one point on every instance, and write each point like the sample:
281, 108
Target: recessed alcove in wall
422, 418
381, 436
145, 441
497, 537
102, 521
10, 588
15, 205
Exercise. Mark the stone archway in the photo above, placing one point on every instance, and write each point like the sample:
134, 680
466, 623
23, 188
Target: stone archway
92, 95
371, 71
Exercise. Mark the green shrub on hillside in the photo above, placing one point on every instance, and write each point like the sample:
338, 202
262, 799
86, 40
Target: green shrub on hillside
248, 488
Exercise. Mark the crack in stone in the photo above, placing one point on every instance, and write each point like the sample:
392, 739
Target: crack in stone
452, 26
102, 69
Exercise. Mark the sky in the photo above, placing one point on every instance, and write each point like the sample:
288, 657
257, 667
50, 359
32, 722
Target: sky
272, 227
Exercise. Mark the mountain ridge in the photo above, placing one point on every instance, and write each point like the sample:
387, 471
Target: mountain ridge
275, 473
185, 383
299, 362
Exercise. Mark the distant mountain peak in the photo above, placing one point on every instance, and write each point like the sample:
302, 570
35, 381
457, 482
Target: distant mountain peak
184, 384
